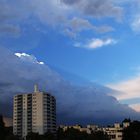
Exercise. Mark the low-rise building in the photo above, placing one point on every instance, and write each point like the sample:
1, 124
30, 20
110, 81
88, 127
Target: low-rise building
116, 132
88, 129
93, 128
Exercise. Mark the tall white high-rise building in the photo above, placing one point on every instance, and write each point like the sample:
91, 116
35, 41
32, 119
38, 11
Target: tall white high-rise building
35, 112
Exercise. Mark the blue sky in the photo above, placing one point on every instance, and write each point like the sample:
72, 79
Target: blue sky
98, 40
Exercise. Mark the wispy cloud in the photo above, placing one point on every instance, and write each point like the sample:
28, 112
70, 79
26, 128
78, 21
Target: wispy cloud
79, 24
96, 8
96, 43
136, 24
59, 13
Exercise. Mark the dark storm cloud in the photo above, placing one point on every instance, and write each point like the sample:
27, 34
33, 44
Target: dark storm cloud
74, 103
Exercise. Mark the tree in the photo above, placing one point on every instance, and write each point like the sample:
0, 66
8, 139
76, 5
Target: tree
33, 136
99, 135
11, 137
132, 132
49, 136
2, 128
74, 134
126, 120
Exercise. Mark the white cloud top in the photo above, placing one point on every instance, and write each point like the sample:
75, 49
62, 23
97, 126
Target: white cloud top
29, 58
129, 90
96, 43
135, 107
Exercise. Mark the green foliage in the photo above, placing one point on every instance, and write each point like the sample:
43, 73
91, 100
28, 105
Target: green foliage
126, 120
70, 134
33, 136
132, 132
11, 137
49, 136
73, 134
36, 136
99, 136
2, 128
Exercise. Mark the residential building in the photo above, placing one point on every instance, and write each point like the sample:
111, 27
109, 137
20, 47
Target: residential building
93, 128
34, 112
88, 129
116, 132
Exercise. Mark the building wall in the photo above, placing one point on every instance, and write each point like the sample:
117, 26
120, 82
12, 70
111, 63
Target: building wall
29, 112
17, 115
49, 111
38, 113
24, 115
114, 133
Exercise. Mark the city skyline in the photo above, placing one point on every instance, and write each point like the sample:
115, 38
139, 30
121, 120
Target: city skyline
85, 52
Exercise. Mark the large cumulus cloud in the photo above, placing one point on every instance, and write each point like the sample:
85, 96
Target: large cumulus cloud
75, 104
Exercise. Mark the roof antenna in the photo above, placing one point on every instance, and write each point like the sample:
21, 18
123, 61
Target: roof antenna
36, 88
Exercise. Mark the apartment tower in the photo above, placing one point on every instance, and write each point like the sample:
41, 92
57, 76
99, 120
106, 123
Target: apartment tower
34, 112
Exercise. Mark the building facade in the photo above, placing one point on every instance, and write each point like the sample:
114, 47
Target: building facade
88, 129
34, 112
116, 132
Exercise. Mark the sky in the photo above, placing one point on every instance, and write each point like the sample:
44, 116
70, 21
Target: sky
73, 44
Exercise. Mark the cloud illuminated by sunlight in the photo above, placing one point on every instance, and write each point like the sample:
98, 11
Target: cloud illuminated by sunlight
97, 43
129, 88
